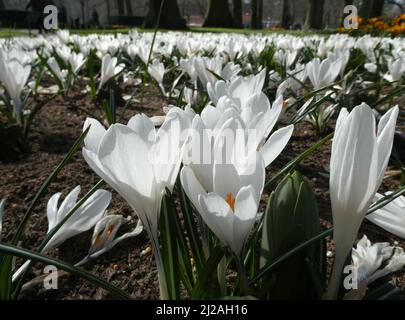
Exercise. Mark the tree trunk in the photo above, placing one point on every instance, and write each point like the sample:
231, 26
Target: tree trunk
254, 19
237, 13
170, 17
128, 4
121, 8
219, 15
1, 4
286, 18
83, 14
259, 14
292, 6
314, 15
108, 12
371, 8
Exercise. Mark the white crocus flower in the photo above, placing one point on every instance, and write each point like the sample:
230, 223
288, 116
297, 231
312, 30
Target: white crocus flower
104, 235
390, 217
209, 69
187, 65
109, 69
230, 210
285, 58
63, 35
59, 74
64, 52
323, 73
367, 259
256, 118
140, 162
83, 219
14, 77
396, 69
76, 62
342, 56
157, 71
360, 154
370, 67
239, 90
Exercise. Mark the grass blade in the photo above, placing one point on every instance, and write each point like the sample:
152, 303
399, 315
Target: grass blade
11, 250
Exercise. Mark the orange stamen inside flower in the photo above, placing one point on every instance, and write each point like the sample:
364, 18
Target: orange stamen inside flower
230, 199
110, 229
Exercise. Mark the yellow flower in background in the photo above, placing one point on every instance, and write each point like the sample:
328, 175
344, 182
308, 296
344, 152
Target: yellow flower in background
380, 24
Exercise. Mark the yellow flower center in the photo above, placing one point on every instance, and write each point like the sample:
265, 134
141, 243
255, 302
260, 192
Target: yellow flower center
109, 232
230, 199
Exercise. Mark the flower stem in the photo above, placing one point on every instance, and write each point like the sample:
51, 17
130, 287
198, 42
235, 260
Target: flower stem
221, 272
243, 275
164, 292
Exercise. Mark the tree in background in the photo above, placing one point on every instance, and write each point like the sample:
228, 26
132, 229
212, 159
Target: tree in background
1, 4
371, 8
170, 17
257, 13
254, 21
121, 8
237, 13
128, 5
314, 18
219, 15
286, 19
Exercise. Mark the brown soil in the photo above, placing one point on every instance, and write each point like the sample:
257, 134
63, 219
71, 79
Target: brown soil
54, 131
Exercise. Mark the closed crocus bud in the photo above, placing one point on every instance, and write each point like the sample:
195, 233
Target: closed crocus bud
76, 62
58, 73
360, 154
396, 69
109, 69
14, 77
157, 70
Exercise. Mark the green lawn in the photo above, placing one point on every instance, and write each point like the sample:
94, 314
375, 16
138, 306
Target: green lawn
6, 33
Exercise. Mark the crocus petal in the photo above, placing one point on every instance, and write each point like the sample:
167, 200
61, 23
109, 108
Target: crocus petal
276, 144
95, 134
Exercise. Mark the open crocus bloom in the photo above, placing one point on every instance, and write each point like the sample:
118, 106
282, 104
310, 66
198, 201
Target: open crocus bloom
360, 154
239, 89
230, 208
250, 127
109, 69
153, 157
391, 217
82, 220
323, 73
139, 162
207, 69
367, 260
